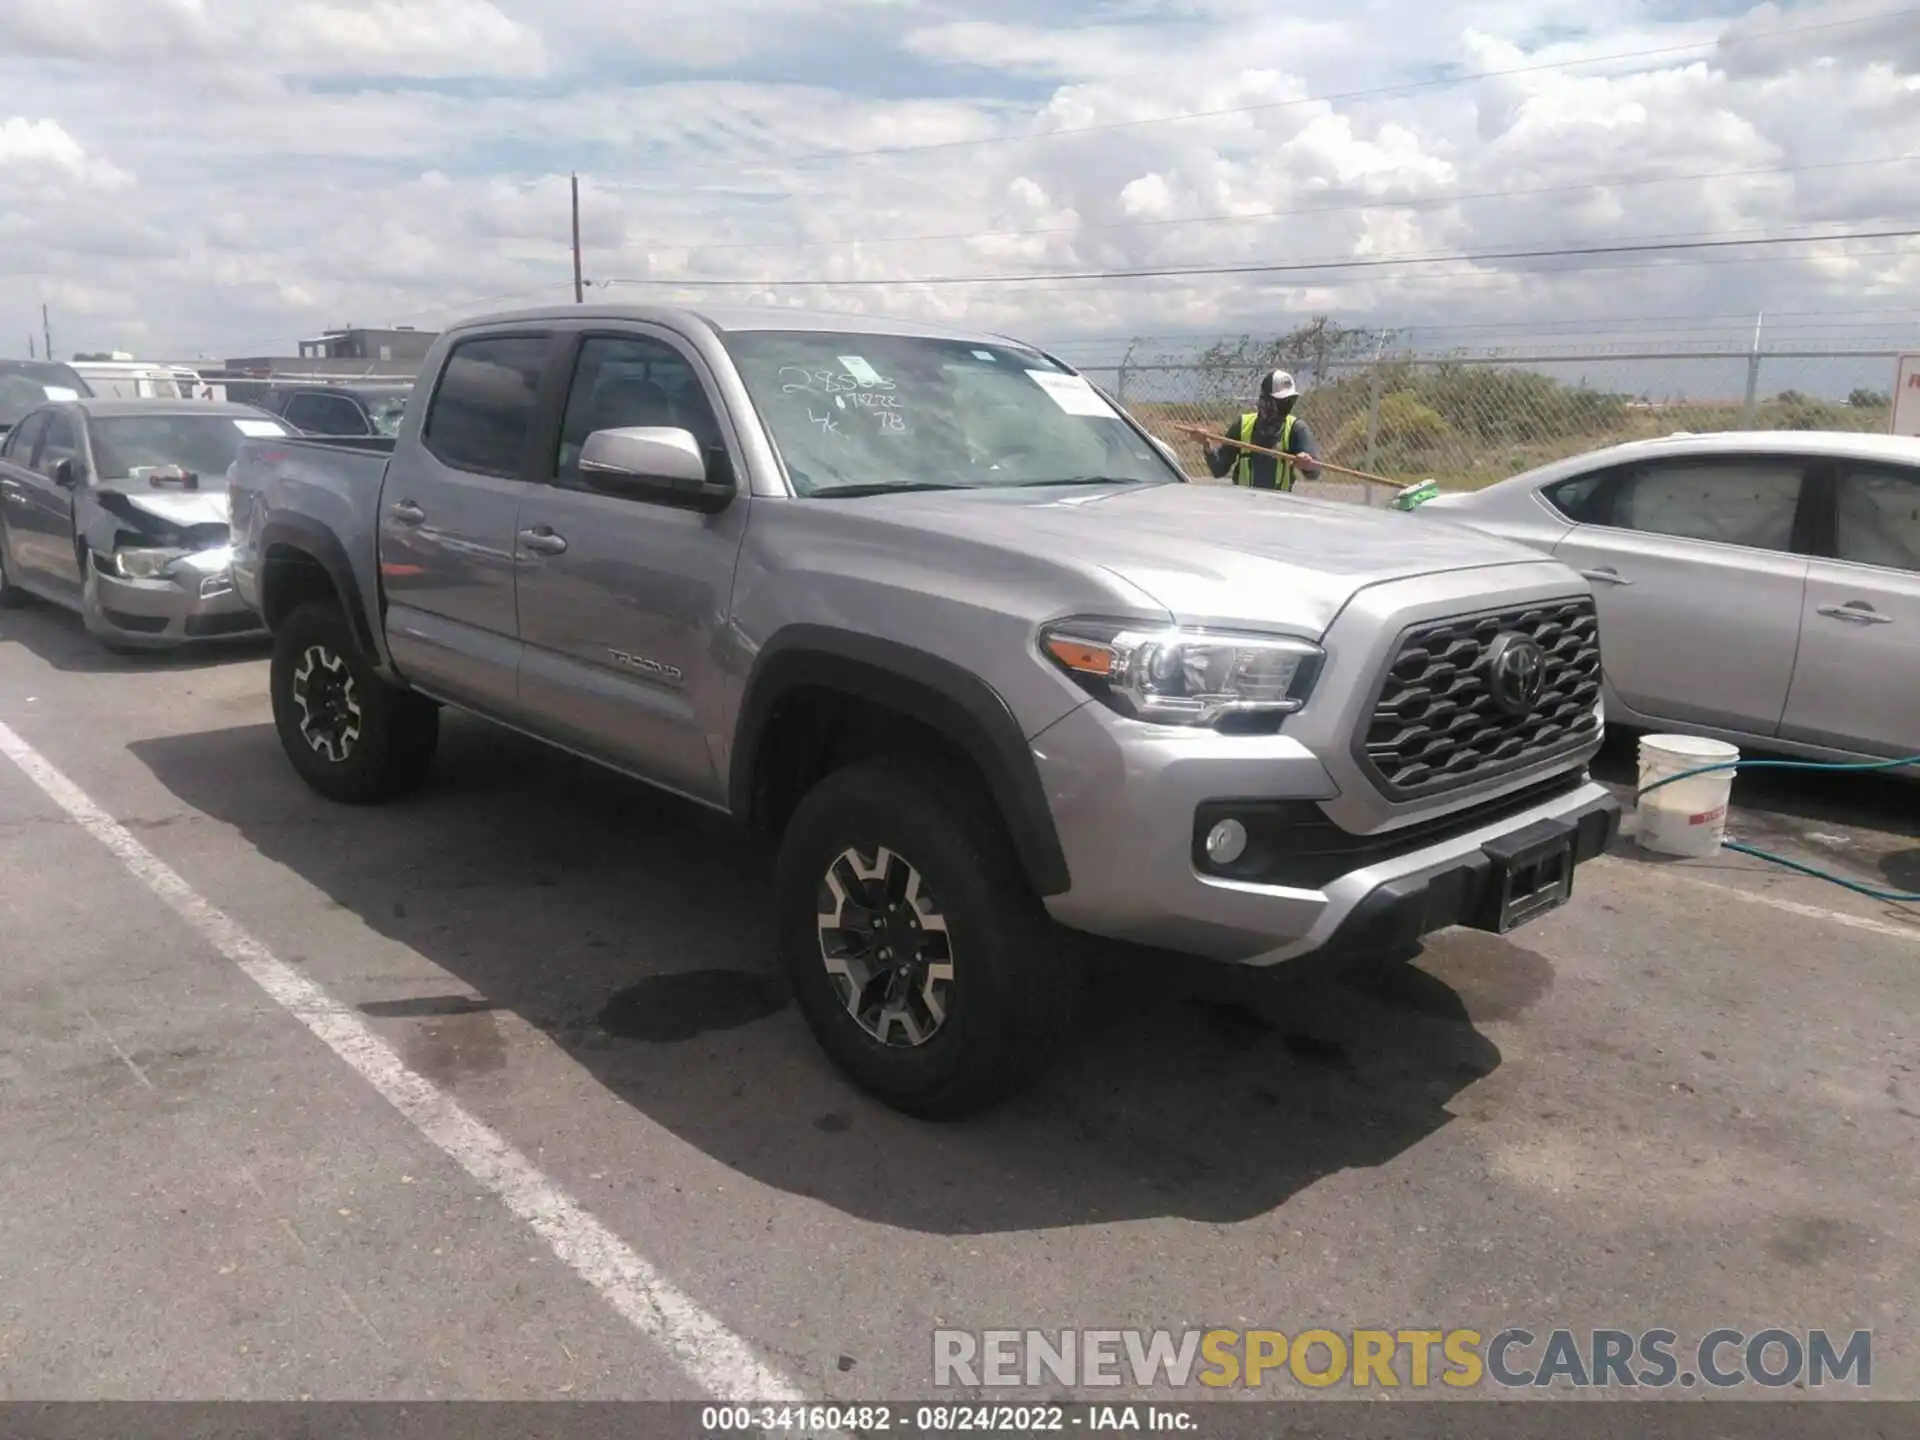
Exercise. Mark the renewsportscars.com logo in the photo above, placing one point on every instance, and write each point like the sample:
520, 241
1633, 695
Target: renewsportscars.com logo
1419, 1359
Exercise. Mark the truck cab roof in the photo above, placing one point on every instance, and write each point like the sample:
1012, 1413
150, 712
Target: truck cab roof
724, 319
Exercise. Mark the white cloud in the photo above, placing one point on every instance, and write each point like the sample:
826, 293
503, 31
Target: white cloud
362, 37
41, 151
268, 204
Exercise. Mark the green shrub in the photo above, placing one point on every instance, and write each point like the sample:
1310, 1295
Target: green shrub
1407, 427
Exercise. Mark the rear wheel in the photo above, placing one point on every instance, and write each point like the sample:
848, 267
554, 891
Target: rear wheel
352, 736
923, 961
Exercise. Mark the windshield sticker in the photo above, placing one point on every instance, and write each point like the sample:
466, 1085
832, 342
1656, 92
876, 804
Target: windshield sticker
986, 355
258, 429
1072, 393
60, 392
860, 370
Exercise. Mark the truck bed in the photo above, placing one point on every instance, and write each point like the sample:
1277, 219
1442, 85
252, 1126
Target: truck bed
326, 485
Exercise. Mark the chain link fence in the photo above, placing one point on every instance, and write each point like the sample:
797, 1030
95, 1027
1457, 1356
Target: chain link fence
1466, 421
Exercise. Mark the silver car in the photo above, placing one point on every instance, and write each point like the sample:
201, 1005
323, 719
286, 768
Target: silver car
118, 509
1762, 588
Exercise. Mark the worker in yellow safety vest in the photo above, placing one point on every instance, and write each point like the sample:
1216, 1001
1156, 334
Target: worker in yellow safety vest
1273, 426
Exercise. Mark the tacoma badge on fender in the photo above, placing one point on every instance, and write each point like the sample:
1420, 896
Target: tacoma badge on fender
668, 673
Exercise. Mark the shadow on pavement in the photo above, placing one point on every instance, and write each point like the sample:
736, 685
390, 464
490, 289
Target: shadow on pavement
633, 928
58, 637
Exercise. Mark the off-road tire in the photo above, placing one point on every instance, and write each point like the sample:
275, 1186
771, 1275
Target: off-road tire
384, 749
1009, 1003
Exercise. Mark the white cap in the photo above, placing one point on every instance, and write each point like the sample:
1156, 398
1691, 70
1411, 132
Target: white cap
1278, 385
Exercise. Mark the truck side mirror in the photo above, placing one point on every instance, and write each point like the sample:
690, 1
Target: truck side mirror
662, 464
66, 474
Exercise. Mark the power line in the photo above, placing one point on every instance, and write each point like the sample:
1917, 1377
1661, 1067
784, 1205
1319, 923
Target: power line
1334, 97
1424, 202
1477, 279
1300, 267
1819, 319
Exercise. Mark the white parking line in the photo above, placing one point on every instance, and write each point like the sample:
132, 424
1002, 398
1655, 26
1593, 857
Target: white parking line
719, 1361
1773, 902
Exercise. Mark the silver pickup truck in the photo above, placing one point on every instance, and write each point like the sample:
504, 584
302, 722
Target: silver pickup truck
924, 607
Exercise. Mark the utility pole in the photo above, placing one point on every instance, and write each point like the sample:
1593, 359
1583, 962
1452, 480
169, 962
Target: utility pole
579, 289
46, 329
1120, 376
31, 354
1751, 406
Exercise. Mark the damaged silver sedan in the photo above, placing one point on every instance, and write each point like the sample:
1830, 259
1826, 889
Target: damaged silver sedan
118, 509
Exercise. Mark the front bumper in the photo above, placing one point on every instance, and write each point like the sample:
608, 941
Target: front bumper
1126, 814
167, 612
1463, 890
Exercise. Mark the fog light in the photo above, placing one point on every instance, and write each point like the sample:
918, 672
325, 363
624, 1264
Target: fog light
1226, 842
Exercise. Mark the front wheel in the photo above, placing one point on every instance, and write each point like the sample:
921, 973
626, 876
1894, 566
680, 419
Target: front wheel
352, 736
922, 959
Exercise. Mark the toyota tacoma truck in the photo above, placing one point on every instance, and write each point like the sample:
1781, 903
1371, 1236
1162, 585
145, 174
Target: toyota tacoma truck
926, 610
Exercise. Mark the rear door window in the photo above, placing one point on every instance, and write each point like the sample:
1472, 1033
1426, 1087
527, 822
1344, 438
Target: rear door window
482, 410
1876, 518
1752, 502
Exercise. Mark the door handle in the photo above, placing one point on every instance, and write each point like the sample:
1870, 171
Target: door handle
1606, 575
406, 512
542, 539
1857, 611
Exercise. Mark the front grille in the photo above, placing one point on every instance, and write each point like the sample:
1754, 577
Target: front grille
233, 622
1435, 725
139, 624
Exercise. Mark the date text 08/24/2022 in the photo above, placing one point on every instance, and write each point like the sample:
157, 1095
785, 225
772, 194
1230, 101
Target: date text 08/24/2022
943, 1419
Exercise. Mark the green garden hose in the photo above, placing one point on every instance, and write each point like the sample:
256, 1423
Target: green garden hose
1894, 896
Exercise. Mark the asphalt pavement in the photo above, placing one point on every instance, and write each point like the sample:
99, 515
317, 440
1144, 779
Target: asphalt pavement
495, 1093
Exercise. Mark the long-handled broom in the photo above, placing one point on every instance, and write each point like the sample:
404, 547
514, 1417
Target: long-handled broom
1405, 496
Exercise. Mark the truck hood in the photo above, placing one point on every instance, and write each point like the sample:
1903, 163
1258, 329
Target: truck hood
1211, 554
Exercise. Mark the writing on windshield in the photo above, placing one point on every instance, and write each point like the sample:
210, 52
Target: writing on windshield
876, 411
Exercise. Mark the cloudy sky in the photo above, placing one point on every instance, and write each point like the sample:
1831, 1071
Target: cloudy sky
218, 177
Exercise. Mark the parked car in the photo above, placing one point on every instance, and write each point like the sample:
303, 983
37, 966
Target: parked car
118, 509
28, 384
339, 410
979, 658
1760, 588
131, 380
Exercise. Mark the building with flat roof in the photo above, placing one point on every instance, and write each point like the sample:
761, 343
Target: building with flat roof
401, 344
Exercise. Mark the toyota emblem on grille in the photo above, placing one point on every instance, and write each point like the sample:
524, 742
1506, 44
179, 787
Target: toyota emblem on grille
1516, 673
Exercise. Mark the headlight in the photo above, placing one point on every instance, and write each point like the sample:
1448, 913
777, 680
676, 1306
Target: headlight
144, 564
207, 562
1187, 677
159, 564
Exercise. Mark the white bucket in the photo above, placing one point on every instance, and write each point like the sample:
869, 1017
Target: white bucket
1687, 817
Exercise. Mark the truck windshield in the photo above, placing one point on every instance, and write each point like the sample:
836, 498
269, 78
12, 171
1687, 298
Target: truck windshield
127, 447
862, 413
